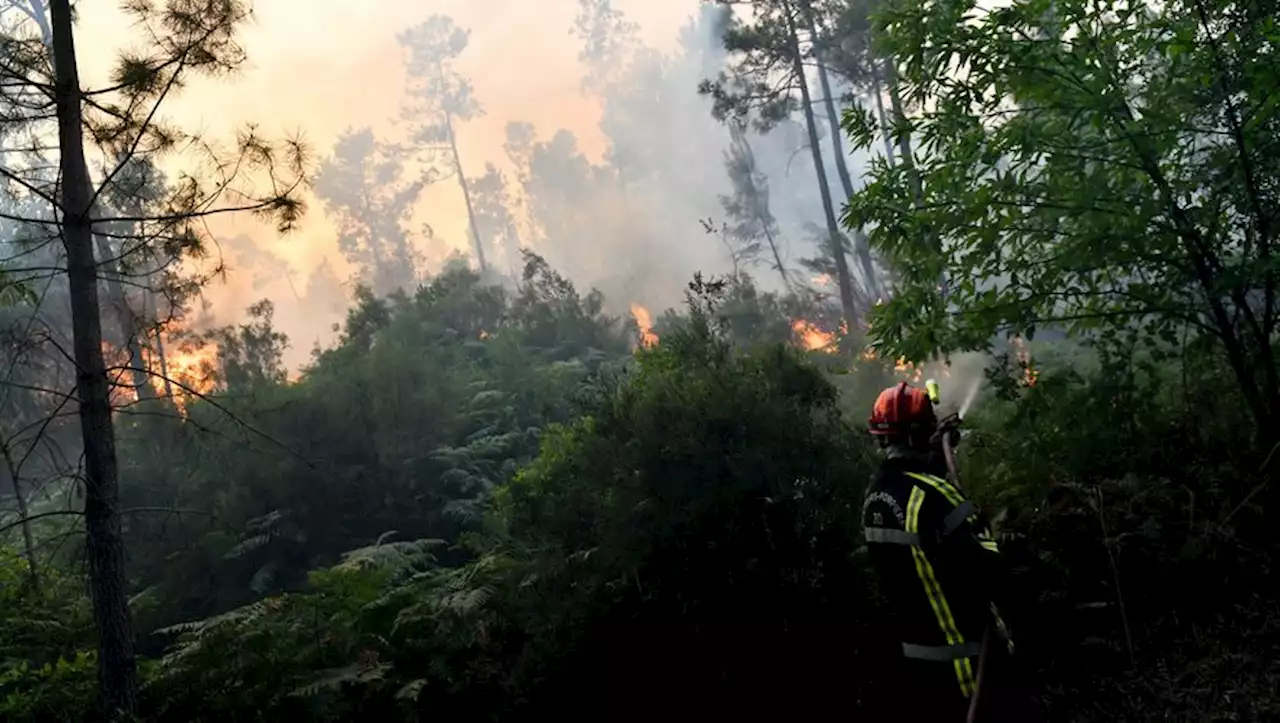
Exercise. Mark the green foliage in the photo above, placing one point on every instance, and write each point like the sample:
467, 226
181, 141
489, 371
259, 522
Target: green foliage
12, 292
426, 404
684, 430
1103, 171
586, 526
40, 618
710, 483
61, 690
46, 673
477, 504
754, 234
761, 85
315, 656
1120, 486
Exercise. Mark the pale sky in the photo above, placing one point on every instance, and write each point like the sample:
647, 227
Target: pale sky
321, 66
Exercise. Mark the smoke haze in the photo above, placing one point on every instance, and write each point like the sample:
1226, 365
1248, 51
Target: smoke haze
322, 67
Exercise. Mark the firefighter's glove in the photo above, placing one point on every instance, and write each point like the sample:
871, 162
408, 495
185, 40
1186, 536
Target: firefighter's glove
948, 429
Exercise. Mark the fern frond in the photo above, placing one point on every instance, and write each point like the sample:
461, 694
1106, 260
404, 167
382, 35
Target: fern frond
248, 545
335, 678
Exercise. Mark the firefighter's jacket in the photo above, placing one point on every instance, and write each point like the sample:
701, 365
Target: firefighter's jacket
937, 564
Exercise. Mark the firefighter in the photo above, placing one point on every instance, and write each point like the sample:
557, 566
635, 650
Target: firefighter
937, 564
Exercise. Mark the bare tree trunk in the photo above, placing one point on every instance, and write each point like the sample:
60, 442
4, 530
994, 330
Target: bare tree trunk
829, 104
904, 141
843, 278
125, 319
38, 12
738, 134
466, 194
861, 246
913, 174
39, 15
837, 142
878, 93
153, 314
28, 539
777, 257
117, 666
164, 367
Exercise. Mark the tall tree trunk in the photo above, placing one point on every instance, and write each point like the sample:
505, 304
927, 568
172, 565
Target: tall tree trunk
829, 103
39, 14
837, 141
878, 93
843, 278
904, 141
466, 193
381, 272
115, 292
132, 325
738, 134
164, 367
153, 314
777, 257
861, 246
125, 318
908, 159
28, 539
117, 666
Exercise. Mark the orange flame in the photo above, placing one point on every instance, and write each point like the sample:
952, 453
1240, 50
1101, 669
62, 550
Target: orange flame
1029, 373
191, 368
813, 338
644, 320
914, 373
822, 280
187, 371
909, 372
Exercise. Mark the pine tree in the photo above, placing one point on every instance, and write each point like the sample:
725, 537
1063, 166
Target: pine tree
185, 38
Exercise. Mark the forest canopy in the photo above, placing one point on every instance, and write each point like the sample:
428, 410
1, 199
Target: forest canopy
602, 455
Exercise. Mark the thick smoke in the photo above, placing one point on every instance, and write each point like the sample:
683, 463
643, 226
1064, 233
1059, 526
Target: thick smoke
601, 157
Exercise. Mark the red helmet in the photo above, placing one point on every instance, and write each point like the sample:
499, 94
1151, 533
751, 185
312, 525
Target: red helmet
901, 410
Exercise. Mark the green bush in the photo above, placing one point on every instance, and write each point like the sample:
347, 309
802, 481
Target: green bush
46, 671
708, 489
63, 690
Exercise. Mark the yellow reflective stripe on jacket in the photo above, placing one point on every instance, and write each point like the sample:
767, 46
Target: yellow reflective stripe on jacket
953, 495
941, 610
944, 487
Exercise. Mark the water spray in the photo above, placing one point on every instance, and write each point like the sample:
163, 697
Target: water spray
949, 426
969, 397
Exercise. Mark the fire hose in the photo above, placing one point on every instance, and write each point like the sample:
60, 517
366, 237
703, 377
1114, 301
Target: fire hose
949, 431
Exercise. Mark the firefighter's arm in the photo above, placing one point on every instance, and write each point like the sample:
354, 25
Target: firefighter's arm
966, 541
